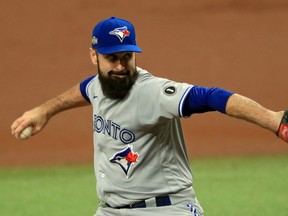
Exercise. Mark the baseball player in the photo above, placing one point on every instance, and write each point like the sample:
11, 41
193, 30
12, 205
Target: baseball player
141, 163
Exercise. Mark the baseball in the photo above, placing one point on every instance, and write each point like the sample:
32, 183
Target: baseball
26, 133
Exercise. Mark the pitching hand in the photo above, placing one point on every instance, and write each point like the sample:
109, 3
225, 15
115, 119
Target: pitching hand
36, 118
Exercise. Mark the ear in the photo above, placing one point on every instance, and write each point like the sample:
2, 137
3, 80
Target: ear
93, 56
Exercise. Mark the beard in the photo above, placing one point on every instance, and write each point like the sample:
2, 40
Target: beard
117, 88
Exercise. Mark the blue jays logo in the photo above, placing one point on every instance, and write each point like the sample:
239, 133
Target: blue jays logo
120, 32
125, 158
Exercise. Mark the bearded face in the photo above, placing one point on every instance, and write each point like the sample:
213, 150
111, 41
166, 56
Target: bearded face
117, 84
117, 73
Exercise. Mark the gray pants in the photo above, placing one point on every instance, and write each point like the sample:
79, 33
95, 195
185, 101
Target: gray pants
183, 203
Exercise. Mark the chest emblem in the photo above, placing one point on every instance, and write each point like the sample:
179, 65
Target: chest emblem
125, 158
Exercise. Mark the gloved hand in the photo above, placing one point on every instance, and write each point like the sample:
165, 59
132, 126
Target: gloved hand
282, 131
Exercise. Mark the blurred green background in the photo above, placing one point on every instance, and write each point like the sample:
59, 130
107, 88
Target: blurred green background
236, 186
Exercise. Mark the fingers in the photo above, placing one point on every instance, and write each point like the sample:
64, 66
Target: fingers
18, 126
35, 118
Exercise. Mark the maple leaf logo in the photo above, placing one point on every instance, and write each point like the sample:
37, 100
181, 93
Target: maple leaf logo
131, 157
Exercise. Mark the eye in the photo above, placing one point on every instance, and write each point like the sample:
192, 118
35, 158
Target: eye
112, 58
118, 158
127, 57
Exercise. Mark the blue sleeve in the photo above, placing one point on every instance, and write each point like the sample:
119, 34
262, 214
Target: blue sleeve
202, 99
83, 86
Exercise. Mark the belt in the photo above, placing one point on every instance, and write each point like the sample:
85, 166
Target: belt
159, 201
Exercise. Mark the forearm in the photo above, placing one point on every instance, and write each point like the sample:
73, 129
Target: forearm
38, 117
72, 98
244, 108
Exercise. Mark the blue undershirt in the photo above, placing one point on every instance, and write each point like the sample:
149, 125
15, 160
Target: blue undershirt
83, 85
203, 99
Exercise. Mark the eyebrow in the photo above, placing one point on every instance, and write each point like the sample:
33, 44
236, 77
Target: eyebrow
130, 54
115, 54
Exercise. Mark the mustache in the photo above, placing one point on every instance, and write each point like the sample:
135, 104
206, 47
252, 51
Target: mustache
122, 72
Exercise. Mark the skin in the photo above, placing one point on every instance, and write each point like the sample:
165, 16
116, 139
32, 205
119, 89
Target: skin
116, 62
237, 106
247, 109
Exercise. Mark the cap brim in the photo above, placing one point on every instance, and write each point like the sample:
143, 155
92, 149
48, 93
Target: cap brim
119, 48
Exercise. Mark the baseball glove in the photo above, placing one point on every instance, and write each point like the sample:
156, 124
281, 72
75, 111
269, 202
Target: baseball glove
282, 131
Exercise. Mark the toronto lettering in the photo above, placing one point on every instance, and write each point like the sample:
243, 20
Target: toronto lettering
113, 130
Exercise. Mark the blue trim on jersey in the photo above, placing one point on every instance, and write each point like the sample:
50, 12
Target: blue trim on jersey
84, 89
202, 99
182, 100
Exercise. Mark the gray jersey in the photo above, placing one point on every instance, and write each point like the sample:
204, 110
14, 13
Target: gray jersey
139, 150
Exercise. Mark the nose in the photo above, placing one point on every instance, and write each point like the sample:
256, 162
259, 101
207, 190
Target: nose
119, 65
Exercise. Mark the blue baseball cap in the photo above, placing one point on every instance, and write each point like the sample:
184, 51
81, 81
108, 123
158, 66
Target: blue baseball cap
114, 35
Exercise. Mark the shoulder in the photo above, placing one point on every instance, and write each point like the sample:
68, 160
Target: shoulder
151, 81
146, 78
159, 86
143, 75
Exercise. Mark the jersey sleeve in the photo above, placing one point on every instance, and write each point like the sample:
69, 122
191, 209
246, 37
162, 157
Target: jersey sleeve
161, 99
86, 88
202, 99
